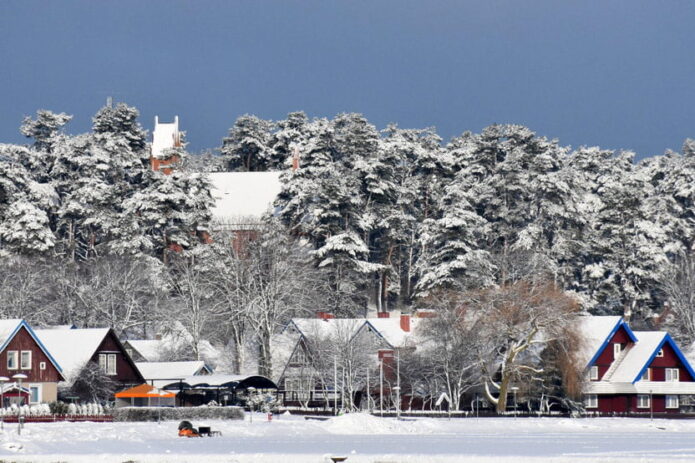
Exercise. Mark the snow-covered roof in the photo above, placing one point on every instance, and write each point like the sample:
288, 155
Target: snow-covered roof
595, 331
7, 329
72, 349
640, 387
149, 349
243, 197
212, 381
390, 329
326, 328
635, 358
171, 370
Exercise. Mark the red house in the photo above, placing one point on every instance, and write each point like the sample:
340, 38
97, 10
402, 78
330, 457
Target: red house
23, 353
634, 371
77, 348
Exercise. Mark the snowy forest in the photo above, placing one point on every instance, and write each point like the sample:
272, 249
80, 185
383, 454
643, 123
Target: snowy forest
368, 219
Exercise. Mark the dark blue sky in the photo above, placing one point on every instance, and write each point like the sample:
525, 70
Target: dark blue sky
619, 74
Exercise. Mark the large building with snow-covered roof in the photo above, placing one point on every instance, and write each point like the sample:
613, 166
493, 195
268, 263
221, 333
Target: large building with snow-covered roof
242, 198
634, 371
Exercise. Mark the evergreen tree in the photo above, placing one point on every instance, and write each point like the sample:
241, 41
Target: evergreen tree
247, 148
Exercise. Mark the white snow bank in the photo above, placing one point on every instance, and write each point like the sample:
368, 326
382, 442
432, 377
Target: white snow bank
362, 438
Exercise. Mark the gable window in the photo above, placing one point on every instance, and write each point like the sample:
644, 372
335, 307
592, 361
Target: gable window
646, 375
42, 365
593, 373
12, 359
672, 374
642, 401
617, 348
591, 401
672, 401
25, 360
660, 353
107, 363
300, 357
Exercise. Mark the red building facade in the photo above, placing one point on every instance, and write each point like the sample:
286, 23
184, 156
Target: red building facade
637, 372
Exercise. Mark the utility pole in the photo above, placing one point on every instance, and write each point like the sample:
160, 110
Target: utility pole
398, 384
381, 387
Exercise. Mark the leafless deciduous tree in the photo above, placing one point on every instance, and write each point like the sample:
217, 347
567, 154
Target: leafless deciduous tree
448, 355
678, 285
92, 384
517, 320
192, 296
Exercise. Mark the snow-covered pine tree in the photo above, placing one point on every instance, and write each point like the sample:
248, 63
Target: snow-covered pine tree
626, 248
170, 213
291, 132
248, 146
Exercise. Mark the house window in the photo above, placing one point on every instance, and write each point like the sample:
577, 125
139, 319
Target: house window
300, 357
593, 373
42, 365
672, 375
12, 360
591, 401
107, 363
672, 401
660, 353
25, 360
646, 375
34, 394
642, 401
617, 348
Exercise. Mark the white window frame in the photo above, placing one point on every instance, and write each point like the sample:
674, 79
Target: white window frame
660, 353
22, 364
39, 393
643, 401
590, 401
672, 401
646, 375
13, 360
617, 349
107, 364
42, 365
672, 375
593, 373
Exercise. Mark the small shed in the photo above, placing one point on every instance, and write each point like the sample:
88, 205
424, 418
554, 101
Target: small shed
145, 395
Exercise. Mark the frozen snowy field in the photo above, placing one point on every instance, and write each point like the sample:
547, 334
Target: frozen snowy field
361, 438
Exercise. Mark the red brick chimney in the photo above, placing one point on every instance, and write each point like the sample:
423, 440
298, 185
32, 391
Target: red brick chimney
382, 315
324, 315
405, 322
295, 158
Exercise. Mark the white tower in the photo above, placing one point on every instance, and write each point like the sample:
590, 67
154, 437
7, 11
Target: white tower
164, 136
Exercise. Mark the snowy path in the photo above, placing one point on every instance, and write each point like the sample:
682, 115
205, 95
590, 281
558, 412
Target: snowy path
362, 439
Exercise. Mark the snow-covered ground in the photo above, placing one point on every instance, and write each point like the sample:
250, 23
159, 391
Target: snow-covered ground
361, 438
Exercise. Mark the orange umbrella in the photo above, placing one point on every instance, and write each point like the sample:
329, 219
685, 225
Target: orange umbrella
144, 391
